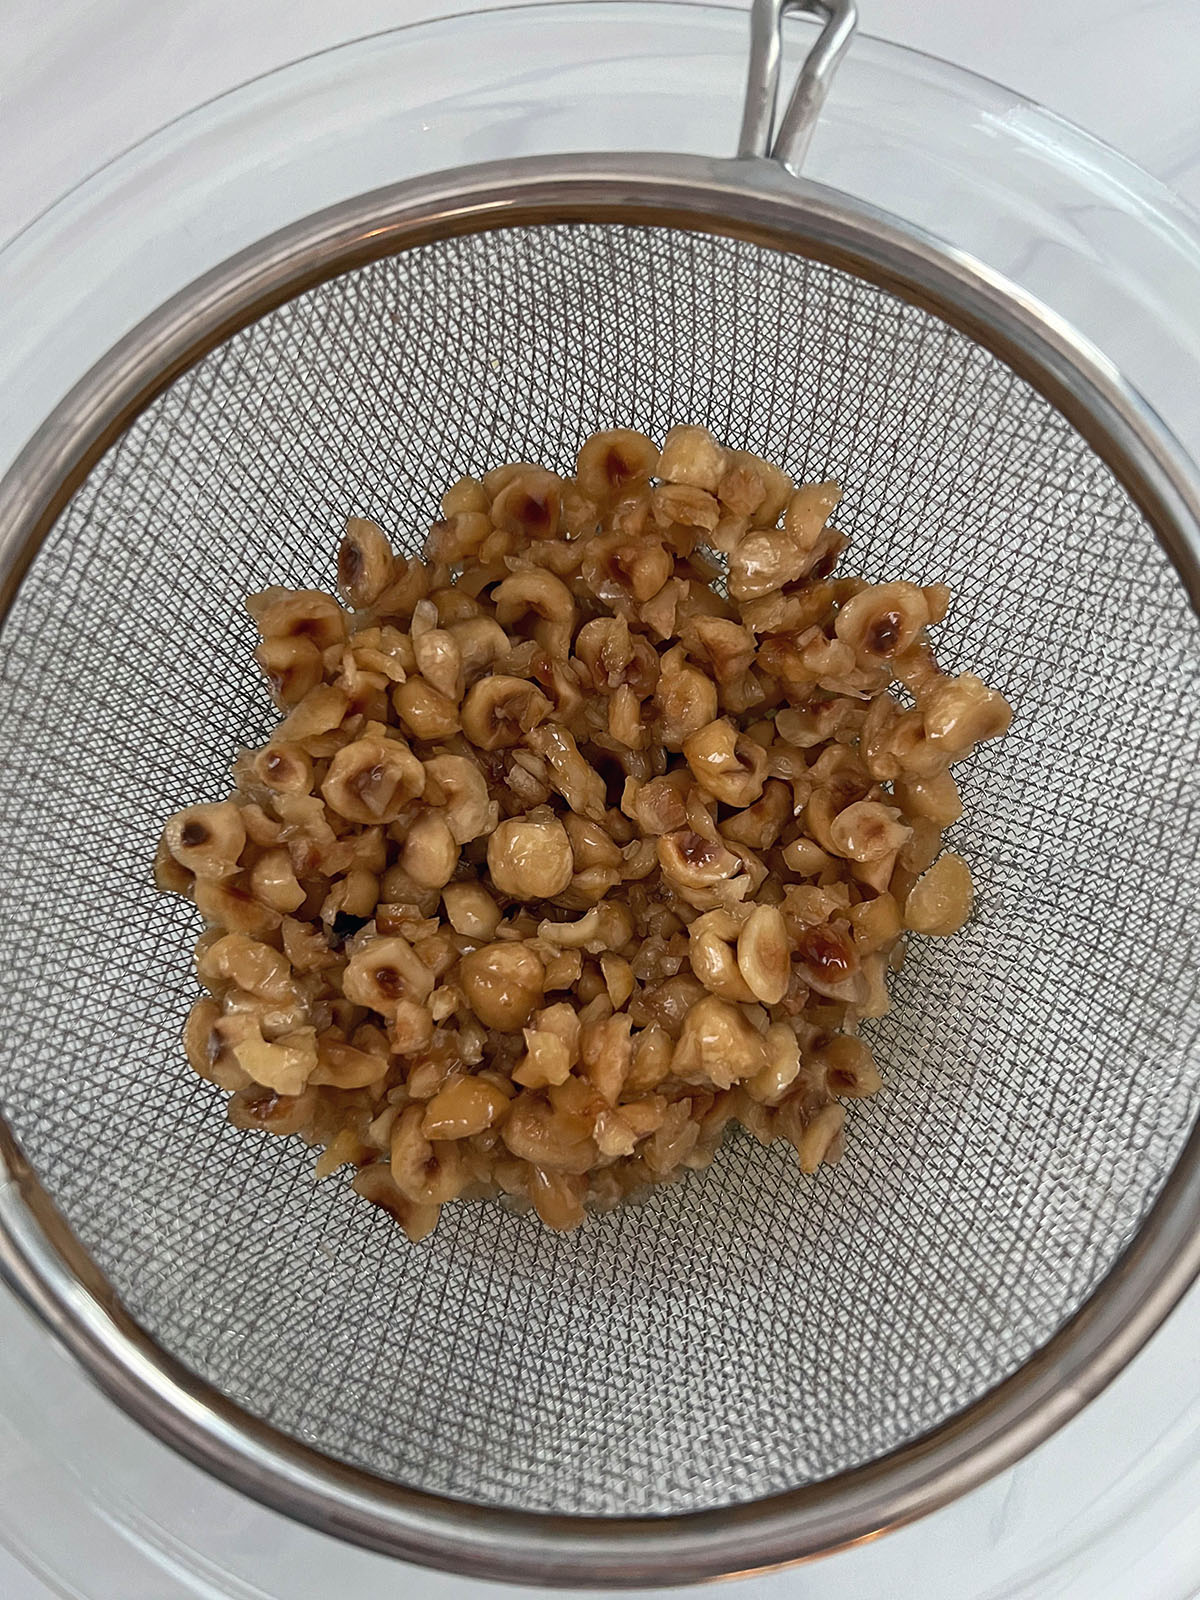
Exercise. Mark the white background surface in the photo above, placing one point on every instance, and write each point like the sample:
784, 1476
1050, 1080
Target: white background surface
81, 80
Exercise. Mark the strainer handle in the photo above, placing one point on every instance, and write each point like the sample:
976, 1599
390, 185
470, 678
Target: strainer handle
789, 143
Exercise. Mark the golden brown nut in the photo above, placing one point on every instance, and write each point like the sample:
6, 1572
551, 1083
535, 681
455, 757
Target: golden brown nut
727, 764
372, 780
849, 1068
464, 1107
291, 667
470, 910
364, 563
615, 463
428, 1174
529, 503
207, 839
284, 1065
425, 712
821, 1139
963, 712
691, 861
772, 1081
502, 983
231, 904
691, 455
376, 1184
867, 830
717, 1046
382, 972
808, 510
298, 614
626, 569
764, 954
553, 1139
935, 797
940, 902
712, 942
883, 620
530, 857
499, 711
429, 854
272, 879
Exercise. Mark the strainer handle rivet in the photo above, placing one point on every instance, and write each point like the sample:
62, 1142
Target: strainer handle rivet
788, 143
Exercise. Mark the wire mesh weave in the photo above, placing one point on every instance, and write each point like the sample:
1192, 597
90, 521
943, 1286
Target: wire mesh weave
750, 1329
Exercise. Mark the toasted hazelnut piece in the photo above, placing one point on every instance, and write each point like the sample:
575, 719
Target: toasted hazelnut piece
550, 1138
849, 1068
499, 711
470, 910
727, 764
760, 824
425, 712
272, 879
229, 903
457, 786
482, 642
961, 712
691, 455
772, 1081
614, 463
679, 502
246, 964
298, 614
821, 1139
607, 926
292, 667
685, 699
426, 1173
208, 1041
267, 1111
322, 710
529, 504
376, 1185
207, 839
692, 861
284, 1065
436, 652
283, 768
429, 853
372, 780
764, 954
717, 1046
940, 901
530, 857
868, 830
713, 959
882, 621
383, 972
808, 510
364, 563
502, 983
464, 1107
935, 797
624, 568
826, 958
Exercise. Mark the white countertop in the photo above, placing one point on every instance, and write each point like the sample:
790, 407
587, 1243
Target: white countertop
81, 80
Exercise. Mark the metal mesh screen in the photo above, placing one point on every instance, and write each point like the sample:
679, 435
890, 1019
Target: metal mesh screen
748, 1330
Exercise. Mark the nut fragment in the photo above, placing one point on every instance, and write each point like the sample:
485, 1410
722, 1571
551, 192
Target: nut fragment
372, 780
530, 857
940, 901
502, 983
364, 564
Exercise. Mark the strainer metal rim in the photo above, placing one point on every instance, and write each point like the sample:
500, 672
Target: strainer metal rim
756, 201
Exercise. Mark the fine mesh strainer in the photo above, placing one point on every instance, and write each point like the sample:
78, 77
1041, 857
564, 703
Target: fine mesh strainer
752, 1366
